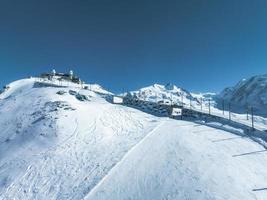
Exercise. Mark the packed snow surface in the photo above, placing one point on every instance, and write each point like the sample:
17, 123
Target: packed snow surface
63, 142
184, 160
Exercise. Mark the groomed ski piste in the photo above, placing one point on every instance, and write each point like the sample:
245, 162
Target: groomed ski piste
63, 142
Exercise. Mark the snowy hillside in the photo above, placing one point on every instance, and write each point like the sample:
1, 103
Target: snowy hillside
55, 146
61, 142
248, 92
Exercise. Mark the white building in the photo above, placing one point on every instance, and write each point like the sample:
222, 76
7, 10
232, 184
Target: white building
176, 112
117, 100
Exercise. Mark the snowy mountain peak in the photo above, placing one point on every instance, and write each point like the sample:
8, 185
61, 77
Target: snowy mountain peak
248, 92
169, 92
170, 86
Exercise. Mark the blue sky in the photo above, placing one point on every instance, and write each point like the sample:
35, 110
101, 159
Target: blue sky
121, 44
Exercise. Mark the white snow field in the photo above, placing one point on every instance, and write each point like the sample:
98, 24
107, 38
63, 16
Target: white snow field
184, 160
68, 143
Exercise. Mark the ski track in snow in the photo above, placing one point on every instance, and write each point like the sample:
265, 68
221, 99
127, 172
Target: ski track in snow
123, 159
174, 166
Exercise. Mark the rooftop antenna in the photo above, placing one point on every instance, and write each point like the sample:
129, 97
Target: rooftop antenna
71, 74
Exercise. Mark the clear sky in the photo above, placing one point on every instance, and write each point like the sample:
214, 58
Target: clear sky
201, 45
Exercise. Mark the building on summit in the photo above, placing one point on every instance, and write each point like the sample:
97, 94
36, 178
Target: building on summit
62, 76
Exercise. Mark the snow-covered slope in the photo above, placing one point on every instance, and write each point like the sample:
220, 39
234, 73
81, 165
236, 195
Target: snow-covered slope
61, 142
251, 92
184, 160
57, 147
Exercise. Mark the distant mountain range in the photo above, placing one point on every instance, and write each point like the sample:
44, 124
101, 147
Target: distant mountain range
248, 92
245, 94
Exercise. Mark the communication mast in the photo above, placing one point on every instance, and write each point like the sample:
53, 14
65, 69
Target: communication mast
71, 74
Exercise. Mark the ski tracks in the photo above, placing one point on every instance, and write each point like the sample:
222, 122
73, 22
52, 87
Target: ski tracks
122, 160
